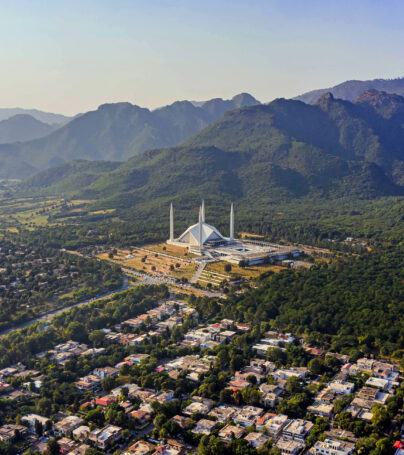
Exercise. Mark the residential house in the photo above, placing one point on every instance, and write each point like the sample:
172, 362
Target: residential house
262, 421
224, 413
143, 418
289, 446
171, 448
321, 410
105, 401
67, 425
80, 433
30, 420
105, 436
205, 426
79, 450
256, 440
140, 448
180, 420
87, 383
342, 387
275, 425
248, 415
9, 432
333, 447
229, 432
106, 372
297, 429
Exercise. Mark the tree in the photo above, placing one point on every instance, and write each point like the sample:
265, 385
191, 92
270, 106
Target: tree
108, 383
95, 415
380, 418
38, 428
77, 332
97, 337
211, 446
252, 379
44, 406
315, 366
222, 359
227, 267
276, 355
53, 447
92, 451
383, 447
294, 385
6, 448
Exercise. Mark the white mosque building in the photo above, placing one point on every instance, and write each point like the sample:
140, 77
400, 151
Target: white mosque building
205, 240
201, 234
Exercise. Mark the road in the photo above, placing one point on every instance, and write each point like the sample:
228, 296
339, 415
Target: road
125, 286
144, 279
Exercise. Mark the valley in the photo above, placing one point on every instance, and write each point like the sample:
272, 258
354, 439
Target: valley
145, 331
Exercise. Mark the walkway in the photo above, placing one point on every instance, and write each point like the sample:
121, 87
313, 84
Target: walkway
197, 274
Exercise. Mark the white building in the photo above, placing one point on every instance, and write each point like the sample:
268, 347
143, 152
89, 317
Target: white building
297, 429
342, 387
333, 447
205, 240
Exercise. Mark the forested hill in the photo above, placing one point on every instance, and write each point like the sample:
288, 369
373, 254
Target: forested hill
23, 127
350, 90
114, 132
355, 304
286, 149
286, 157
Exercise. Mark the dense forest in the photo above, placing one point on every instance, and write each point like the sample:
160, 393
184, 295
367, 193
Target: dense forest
354, 305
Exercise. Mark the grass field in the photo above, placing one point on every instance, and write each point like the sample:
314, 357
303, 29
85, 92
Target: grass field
28, 213
172, 250
246, 272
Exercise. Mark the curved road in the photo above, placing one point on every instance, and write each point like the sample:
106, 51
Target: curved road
66, 308
145, 279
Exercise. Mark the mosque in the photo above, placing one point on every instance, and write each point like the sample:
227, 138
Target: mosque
205, 240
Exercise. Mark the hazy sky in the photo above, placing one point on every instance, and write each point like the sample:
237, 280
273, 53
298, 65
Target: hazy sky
69, 56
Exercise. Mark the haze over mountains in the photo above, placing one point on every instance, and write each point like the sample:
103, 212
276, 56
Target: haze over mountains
254, 155
23, 127
114, 132
45, 117
350, 90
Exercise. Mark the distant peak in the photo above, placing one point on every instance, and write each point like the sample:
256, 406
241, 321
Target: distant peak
107, 106
385, 104
373, 94
325, 100
327, 96
244, 99
23, 117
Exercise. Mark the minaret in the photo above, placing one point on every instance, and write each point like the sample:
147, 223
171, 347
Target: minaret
232, 222
200, 227
171, 222
203, 210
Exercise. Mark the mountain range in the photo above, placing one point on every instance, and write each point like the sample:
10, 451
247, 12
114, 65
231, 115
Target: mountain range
23, 127
350, 90
114, 132
45, 117
286, 150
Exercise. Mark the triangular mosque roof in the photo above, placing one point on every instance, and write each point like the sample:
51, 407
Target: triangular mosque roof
191, 235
